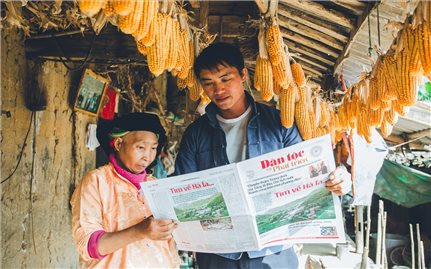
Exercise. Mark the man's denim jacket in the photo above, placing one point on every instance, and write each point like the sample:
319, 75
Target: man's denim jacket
204, 146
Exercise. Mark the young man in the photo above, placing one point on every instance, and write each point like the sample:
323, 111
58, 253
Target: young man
233, 129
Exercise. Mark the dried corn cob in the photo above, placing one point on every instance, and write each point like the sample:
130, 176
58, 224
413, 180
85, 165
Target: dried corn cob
373, 98
123, 7
391, 116
196, 89
129, 24
173, 40
302, 119
386, 128
423, 36
287, 106
399, 108
141, 48
274, 44
149, 13
181, 83
298, 74
324, 114
263, 79
90, 7
108, 10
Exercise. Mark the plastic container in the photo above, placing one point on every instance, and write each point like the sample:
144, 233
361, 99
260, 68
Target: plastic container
391, 241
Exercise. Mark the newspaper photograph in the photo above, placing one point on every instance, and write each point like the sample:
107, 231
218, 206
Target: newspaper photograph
274, 199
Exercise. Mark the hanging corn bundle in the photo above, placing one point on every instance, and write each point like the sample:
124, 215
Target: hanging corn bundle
186, 48
91, 7
287, 106
423, 36
263, 79
145, 31
129, 23
408, 66
123, 7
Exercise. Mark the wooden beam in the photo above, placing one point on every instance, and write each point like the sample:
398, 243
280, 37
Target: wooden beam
318, 10
396, 140
309, 32
311, 22
106, 46
312, 63
355, 7
353, 34
309, 69
309, 52
308, 42
426, 132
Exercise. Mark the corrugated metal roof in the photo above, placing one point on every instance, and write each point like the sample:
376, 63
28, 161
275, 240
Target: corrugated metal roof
418, 119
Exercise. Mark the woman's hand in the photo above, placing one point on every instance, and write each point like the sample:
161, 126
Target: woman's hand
156, 229
339, 181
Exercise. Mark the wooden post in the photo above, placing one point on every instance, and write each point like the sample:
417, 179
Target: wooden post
364, 259
359, 228
412, 246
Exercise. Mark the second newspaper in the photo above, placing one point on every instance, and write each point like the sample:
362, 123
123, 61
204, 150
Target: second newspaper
277, 198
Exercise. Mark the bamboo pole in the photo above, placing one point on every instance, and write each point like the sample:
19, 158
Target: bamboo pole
379, 239
422, 254
359, 228
384, 261
412, 245
364, 258
418, 236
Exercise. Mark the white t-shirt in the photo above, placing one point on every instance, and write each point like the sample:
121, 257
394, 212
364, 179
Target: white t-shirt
236, 135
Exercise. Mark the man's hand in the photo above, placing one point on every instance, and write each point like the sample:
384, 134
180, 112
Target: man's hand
339, 181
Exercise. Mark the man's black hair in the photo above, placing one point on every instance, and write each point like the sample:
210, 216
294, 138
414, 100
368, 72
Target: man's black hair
219, 54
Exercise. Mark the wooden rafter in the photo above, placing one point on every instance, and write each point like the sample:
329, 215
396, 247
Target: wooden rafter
316, 9
354, 33
355, 7
294, 37
311, 33
311, 62
294, 47
311, 22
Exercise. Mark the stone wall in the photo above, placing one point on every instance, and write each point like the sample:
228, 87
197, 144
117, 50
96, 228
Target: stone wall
35, 211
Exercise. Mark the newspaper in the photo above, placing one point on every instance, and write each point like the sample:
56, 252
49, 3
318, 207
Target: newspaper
277, 198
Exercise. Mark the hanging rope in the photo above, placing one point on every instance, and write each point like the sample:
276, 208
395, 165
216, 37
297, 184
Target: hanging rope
378, 26
64, 58
370, 48
33, 115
